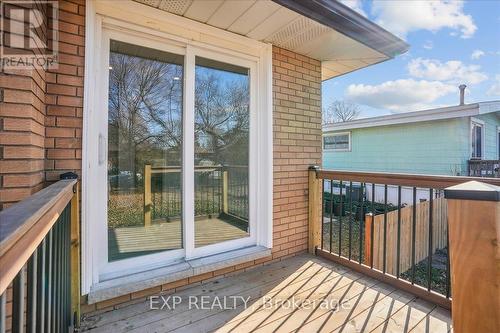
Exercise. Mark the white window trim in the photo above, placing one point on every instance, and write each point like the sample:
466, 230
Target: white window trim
155, 28
476, 121
498, 142
337, 149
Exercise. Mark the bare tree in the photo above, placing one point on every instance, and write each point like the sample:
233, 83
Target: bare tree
222, 117
340, 111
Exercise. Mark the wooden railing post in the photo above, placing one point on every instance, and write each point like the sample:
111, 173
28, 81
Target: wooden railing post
368, 238
147, 195
315, 206
474, 226
225, 206
75, 254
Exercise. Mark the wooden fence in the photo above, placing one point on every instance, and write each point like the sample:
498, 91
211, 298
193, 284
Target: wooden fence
439, 235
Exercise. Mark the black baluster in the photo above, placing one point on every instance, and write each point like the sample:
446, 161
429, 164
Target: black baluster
384, 259
361, 219
68, 271
340, 220
429, 266
372, 226
398, 250
413, 234
448, 283
55, 279
49, 259
32, 293
350, 219
18, 298
331, 215
322, 213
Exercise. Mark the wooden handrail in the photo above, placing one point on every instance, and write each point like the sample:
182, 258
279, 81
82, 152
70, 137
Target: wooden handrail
25, 224
403, 179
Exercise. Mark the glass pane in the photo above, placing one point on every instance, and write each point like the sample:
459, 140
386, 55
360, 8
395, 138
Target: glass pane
144, 151
479, 144
222, 117
476, 141
336, 141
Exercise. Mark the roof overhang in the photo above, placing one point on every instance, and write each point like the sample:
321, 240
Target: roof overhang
450, 112
326, 30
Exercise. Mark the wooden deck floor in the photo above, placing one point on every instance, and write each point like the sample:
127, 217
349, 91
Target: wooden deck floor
133, 241
340, 300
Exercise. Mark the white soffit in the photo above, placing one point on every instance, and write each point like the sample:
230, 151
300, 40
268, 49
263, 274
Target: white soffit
266, 21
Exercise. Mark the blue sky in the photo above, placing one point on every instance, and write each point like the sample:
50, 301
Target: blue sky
451, 42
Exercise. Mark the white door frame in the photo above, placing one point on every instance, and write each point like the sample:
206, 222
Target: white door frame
100, 29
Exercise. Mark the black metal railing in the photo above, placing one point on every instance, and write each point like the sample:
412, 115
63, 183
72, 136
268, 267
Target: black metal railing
218, 190
390, 226
484, 168
36, 263
237, 191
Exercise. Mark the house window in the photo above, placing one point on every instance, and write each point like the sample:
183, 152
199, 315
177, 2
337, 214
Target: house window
337, 142
477, 139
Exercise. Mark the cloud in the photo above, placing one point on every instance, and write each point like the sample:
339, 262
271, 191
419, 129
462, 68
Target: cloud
356, 5
452, 71
428, 45
402, 95
495, 88
477, 54
402, 17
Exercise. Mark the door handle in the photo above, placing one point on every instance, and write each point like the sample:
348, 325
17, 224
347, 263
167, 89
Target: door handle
101, 149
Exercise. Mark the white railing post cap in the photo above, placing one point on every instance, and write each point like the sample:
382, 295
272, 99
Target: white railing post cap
473, 190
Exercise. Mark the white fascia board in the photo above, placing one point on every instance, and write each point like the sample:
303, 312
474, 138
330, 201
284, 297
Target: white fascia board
418, 116
489, 107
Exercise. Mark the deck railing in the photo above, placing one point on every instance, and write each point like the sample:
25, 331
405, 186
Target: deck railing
392, 227
39, 260
218, 190
484, 168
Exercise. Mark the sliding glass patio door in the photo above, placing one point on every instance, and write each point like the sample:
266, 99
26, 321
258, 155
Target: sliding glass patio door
144, 151
174, 153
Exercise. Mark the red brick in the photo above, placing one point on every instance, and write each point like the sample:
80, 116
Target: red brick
67, 164
69, 122
54, 154
61, 89
54, 132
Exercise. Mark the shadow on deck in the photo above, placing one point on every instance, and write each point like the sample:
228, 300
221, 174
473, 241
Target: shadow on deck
302, 293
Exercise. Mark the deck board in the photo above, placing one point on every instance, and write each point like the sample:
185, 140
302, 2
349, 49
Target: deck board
365, 304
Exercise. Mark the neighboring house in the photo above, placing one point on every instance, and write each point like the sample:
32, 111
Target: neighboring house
133, 84
438, 141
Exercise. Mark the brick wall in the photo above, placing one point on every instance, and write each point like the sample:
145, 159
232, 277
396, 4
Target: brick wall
22, 119
297, 145
41, 114
64, 99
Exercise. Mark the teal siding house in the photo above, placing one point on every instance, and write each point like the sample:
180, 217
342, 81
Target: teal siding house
439, 141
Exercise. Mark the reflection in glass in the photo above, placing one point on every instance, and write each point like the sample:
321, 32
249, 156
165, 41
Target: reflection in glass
144, 151
221, 152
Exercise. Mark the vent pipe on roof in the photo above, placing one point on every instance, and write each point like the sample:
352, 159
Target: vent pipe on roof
462, 93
